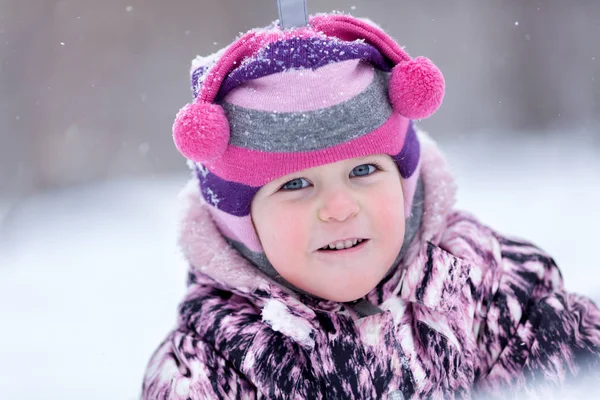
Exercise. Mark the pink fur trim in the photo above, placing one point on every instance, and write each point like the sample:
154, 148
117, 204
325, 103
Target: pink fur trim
313, 89
206, 249
439, 189
416, 88
237, 162
201, 131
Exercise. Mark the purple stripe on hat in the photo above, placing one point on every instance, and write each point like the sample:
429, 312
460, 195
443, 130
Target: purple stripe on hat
231, 197
300, 53
408, 158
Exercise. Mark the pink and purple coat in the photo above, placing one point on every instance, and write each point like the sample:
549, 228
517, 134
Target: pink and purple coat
470, 313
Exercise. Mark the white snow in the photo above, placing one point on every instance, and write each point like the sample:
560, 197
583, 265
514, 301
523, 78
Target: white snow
280, 319
90, 277
544, 188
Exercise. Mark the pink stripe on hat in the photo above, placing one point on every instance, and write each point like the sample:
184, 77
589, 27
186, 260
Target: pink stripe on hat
323, 87
256, 168
346, 27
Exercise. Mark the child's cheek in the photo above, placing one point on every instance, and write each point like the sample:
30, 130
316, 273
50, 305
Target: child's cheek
388, 210
289, 225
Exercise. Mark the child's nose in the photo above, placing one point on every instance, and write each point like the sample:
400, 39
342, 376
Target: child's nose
338, 206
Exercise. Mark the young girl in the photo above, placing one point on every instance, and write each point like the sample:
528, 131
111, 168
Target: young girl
326, 260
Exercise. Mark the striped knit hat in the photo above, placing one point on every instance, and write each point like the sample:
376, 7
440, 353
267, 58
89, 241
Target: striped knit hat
278, 101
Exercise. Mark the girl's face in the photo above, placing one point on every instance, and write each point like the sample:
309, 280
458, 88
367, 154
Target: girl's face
299, 214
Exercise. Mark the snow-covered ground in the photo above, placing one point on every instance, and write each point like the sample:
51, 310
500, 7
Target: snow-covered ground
90, 277
89, 283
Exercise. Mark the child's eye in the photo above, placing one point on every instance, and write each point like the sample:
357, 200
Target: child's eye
294, 184
365, 169
359, 171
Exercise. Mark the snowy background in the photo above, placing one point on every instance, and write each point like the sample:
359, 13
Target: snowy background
90, 275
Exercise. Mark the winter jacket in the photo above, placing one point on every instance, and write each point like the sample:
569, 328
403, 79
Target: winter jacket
470, 313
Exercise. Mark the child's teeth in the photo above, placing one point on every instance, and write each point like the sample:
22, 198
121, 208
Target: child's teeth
342, 245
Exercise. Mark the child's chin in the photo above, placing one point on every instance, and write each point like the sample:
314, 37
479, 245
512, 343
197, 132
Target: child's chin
347, 296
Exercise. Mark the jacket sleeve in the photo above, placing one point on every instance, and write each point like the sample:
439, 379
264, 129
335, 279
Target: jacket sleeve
536, 336
184, 367
530, 334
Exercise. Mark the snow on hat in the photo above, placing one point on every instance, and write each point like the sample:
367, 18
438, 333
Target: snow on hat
276, 101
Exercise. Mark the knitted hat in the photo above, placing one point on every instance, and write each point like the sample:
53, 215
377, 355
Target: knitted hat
278, 101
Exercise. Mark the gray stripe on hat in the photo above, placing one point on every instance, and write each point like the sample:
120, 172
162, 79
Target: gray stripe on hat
311, 130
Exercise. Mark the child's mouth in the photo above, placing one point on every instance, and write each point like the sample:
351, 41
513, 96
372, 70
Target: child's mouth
355, 247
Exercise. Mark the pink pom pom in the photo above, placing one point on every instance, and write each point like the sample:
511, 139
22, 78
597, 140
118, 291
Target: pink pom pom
201, 131
416, 88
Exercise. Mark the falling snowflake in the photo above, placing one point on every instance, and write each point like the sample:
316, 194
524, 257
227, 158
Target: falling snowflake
144, 148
